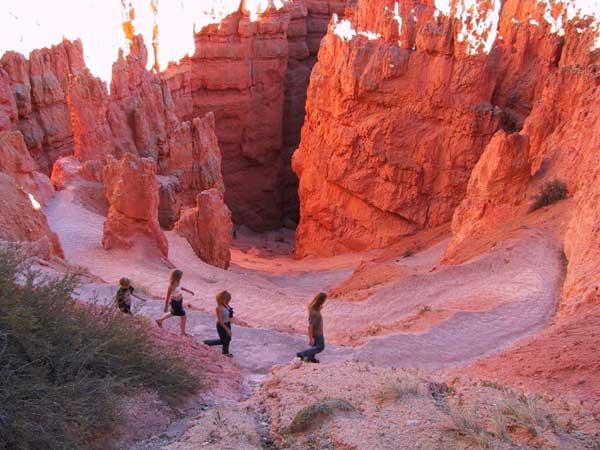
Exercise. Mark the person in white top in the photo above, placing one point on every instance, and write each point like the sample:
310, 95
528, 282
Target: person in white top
224, 313
174, 298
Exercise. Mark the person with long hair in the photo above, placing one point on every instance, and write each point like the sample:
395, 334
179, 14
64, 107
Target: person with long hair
316, 340
174, 299
224, 314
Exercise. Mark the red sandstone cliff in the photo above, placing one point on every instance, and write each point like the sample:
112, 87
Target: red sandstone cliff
398, 116
253, 76
40, 85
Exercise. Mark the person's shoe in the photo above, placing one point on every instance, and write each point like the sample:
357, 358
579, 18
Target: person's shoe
314, 360
229, 355
299, 355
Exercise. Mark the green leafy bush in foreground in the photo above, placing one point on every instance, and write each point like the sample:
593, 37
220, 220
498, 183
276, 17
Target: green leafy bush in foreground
64, 365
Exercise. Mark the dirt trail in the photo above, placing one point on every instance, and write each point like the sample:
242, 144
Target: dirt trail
490, 302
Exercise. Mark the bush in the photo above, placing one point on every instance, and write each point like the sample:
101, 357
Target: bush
550, 192
394, 390
64, 365
306, 417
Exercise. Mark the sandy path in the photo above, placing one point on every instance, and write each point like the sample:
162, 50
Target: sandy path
487, 303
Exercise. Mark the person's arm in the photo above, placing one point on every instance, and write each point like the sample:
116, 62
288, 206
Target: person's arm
167, 298
138, 297
221, 322
188, 291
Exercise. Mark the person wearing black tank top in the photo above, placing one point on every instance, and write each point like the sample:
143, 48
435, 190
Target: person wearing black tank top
224, 314
174, 299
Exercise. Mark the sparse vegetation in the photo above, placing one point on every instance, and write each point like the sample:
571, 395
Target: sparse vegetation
307, 416
465, 426
424, 309
408, 253
394, 390
63, 366
524, 412
550, 193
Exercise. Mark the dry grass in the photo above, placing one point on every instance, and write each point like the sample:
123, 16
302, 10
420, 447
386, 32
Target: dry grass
395, 390
525, 413
465, 426
309, 415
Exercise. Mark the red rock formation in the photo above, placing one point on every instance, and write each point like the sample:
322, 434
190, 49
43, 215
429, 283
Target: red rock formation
496, 189
372, 165
308, 25
40, 87
23, 223
398, 117
238, 71
15, 159
131, 189
140, 112
193, 165
82, 180
562, 131
208, 228
88, 104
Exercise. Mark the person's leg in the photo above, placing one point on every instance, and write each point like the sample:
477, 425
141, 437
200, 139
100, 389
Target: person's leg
319, 346
164, 317
224, 338
213, 342
183, 320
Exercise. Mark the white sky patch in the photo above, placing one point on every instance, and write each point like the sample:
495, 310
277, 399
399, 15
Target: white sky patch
482, 23
34, 203
398, 18
30, 24
570, 9
370, 35
443, 6
343, 29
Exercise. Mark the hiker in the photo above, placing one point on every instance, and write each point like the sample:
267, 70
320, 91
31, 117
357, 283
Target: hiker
315, 329
224, 314
124, 294
174, 299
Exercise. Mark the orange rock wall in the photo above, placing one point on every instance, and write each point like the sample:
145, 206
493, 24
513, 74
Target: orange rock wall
395, 125
40, 86
253, 76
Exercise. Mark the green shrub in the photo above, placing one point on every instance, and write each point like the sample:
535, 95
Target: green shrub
550, 192
63, 365
307, 416
408, 253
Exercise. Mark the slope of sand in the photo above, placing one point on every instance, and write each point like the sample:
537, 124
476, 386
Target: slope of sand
430, 317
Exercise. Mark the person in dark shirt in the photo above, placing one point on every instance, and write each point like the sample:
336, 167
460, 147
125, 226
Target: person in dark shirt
316, 339
123, 297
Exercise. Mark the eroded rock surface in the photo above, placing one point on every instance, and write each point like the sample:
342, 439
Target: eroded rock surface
208, 228
23, 223
130, 188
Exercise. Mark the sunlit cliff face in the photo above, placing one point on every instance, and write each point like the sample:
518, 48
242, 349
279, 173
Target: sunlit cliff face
31, 24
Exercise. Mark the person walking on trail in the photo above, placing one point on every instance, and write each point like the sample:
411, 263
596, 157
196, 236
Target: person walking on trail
316, 339
224, 315
174, 299
124, 294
